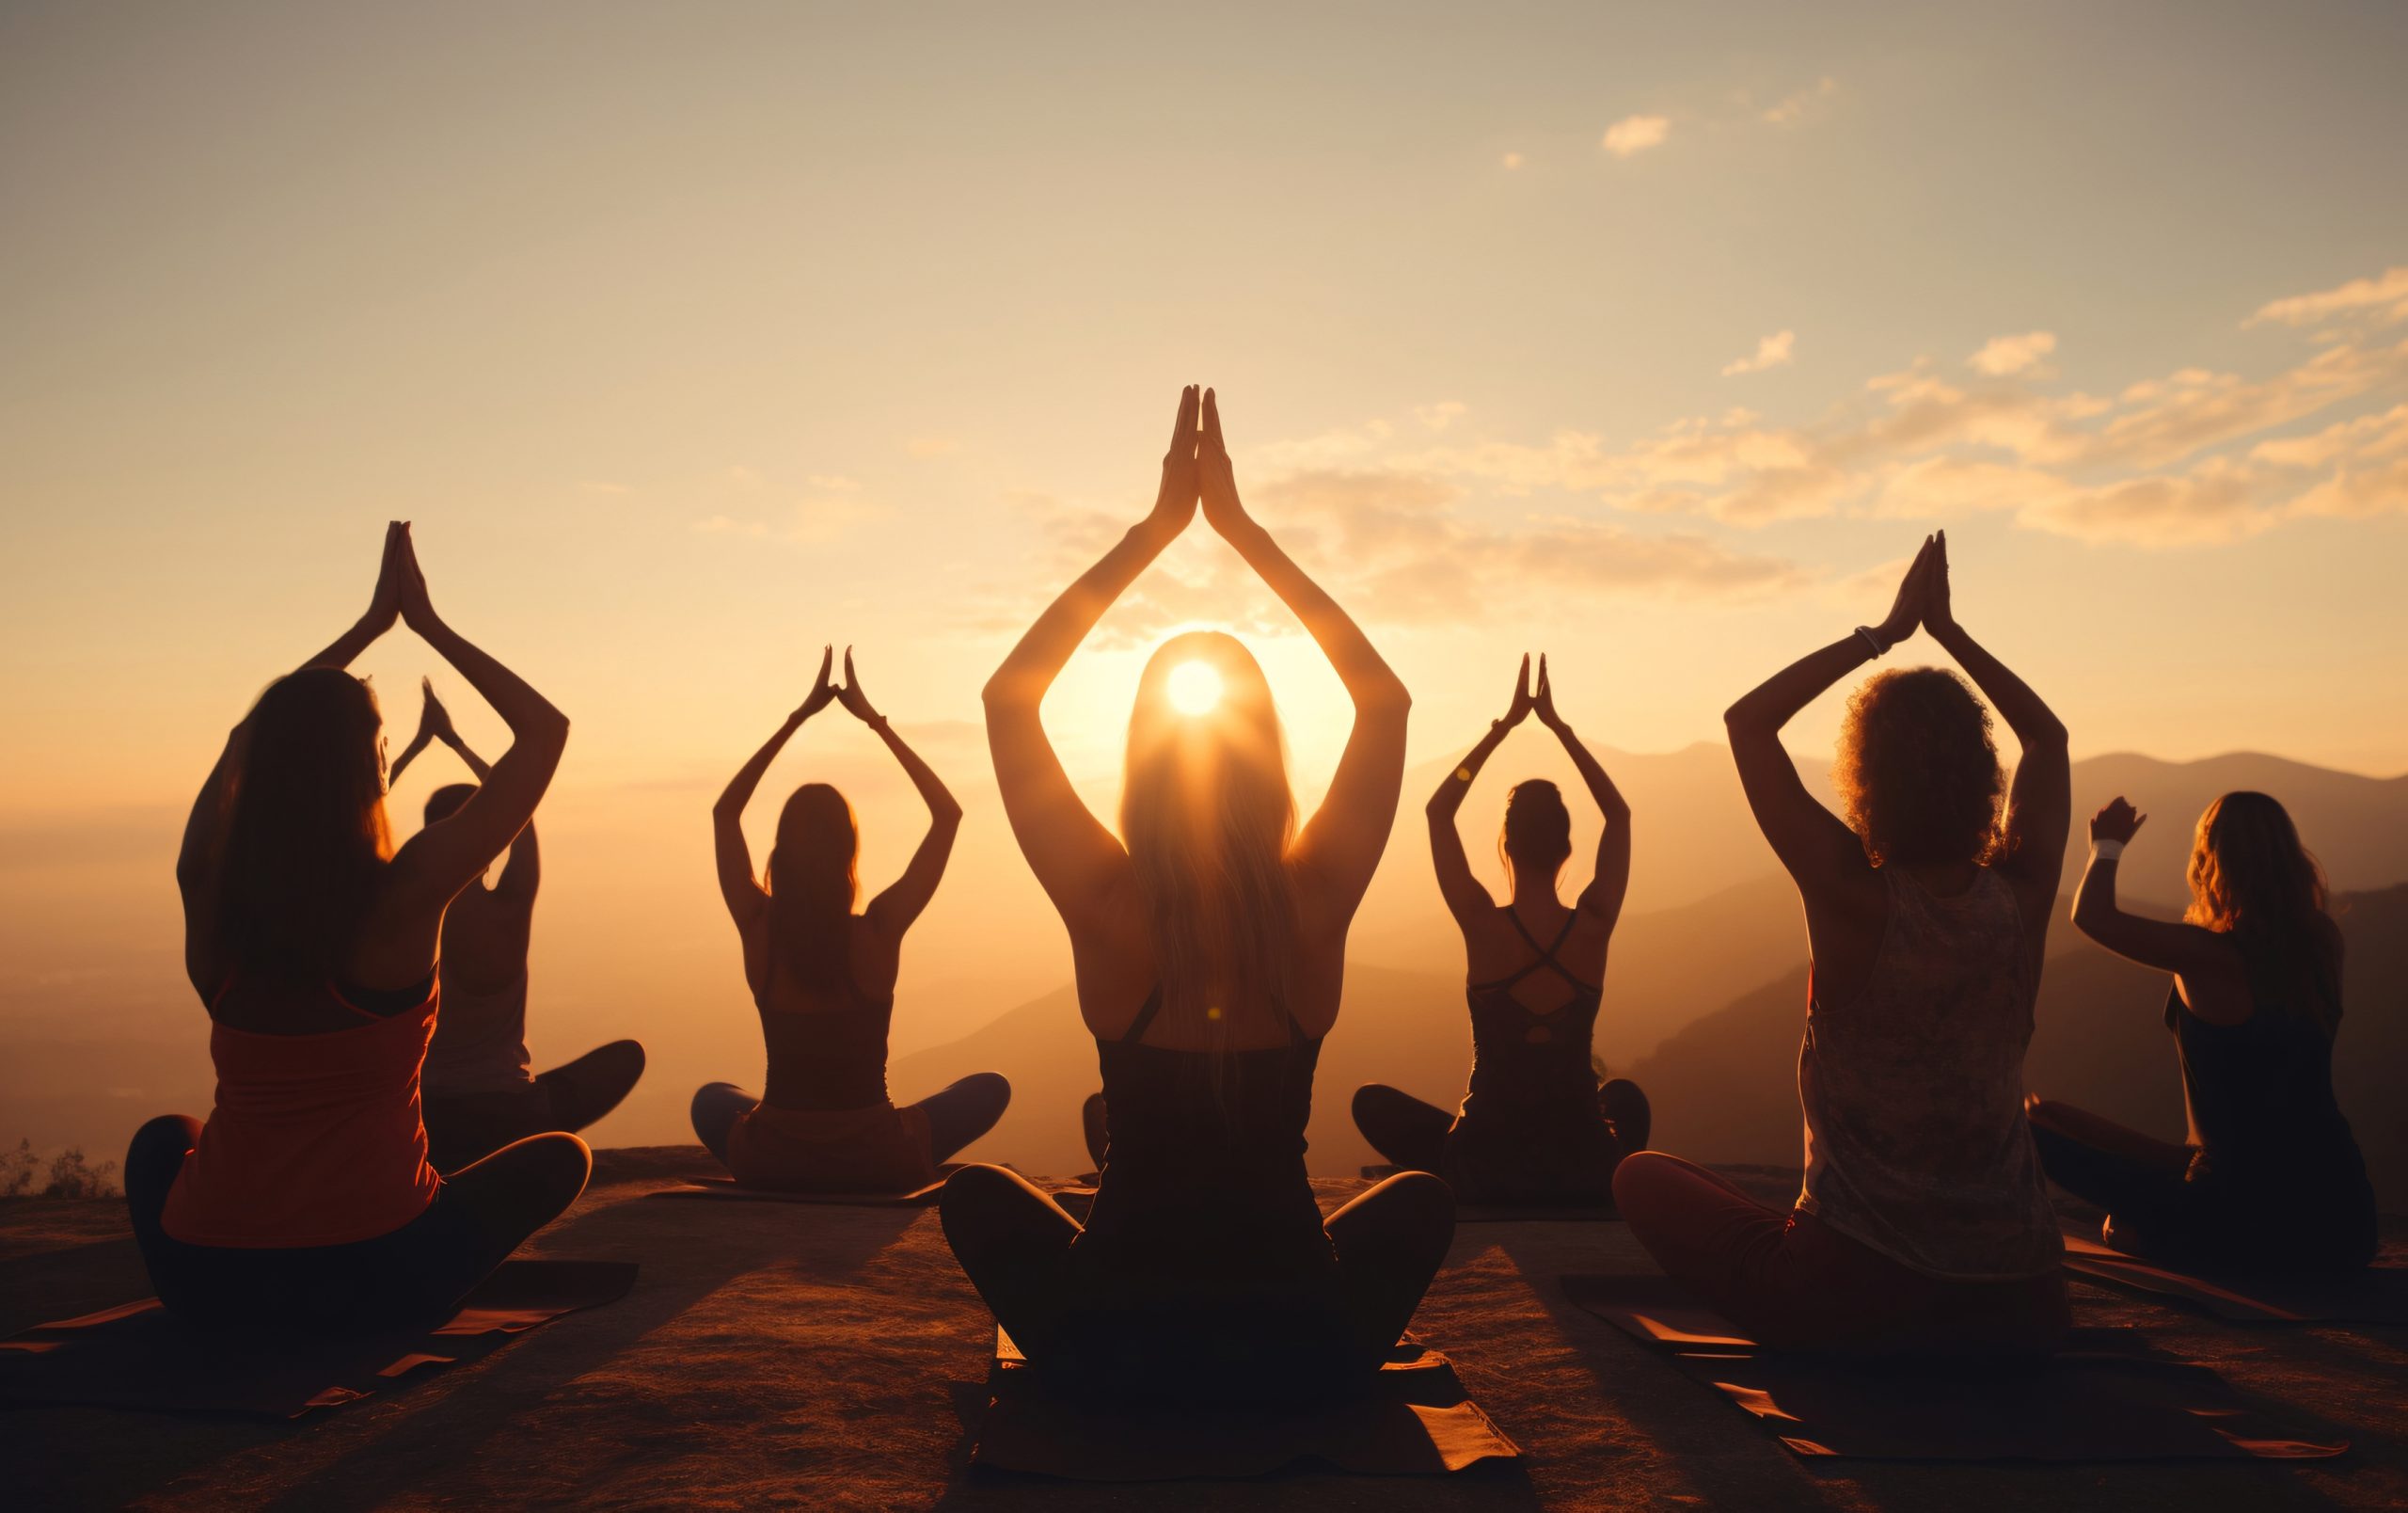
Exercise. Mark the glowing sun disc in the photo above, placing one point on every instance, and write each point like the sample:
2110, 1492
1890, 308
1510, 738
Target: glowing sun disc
1194, 687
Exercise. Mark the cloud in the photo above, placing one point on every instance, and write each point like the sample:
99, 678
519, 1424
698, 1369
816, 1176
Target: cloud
1633, 135
1440, 416
1771, 352
2384, 298
2002, 356
1801, 105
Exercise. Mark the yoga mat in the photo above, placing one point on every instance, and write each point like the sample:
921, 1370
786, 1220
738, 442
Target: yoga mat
1564, 1212
138, 1356
726, 1188
2108, 1396
2378, 1294
1412, 1419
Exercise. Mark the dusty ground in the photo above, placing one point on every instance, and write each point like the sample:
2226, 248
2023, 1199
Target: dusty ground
774, 1353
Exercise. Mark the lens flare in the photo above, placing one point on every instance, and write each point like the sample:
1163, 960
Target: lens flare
1194, 687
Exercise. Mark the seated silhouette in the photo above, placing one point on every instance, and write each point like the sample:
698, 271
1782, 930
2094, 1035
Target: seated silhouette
479, 1089
1210, 942
1923, 1223
306, 1200
2272, 1179
823, 979
1535, 1126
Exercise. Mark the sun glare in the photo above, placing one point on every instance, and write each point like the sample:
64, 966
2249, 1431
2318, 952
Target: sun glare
1194, 687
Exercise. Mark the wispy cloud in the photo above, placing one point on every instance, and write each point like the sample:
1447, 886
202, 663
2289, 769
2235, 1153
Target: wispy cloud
1801, 107
2384, 298
1771, 352
2004, 355
1440, 416
1634, 135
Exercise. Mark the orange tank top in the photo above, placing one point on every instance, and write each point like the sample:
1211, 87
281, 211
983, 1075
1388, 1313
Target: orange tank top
315, 1140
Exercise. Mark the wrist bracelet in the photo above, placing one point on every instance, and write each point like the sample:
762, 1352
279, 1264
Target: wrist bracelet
1871, 639
2106, 851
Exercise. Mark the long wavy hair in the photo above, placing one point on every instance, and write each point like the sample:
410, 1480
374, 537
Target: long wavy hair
813, 880
2252, 879
305, 834
1918, 773
1208, 817
1536, 839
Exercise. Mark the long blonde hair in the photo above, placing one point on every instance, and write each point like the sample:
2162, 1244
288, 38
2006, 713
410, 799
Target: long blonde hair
1208, 817
2251, 879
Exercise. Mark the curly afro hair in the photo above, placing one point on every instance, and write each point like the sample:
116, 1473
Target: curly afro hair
1918, 773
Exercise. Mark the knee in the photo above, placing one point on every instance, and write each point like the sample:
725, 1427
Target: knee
972, 1190
157, 1150
710, 1099
563, 1162
1370, 1097
991, 1089
1423, 1199
1641, 1179
629, 1055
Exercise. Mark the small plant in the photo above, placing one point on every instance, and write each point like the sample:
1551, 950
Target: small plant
69, 1174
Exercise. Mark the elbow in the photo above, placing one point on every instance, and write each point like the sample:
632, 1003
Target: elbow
1738, 720
2047, 734
945, 812
1388, 695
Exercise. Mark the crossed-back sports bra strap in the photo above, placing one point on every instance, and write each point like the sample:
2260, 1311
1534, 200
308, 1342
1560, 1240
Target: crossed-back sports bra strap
1153, 1005
1545, 959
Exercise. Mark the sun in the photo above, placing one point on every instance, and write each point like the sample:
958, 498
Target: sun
1194, 687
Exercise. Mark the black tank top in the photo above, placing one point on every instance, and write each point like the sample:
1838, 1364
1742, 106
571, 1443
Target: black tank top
828, 1059
1203, 1257
2260, 1098
1527, 1064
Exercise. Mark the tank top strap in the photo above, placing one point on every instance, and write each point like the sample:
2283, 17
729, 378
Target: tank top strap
1137, 1027
1545, 959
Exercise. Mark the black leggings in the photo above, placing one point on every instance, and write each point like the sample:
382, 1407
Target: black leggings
1013, 1241
412, 1278
2154, 1214
1413, 1134
958, 1114
470, 1127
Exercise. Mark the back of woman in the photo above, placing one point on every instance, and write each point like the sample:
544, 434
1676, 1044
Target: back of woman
1914, 1091
823, 984
1209, 941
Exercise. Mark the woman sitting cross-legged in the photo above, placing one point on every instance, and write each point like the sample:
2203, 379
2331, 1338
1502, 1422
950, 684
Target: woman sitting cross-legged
306, 1200
2271, 1180
1923, 1223
1208, 940
823, 979
1535, 1127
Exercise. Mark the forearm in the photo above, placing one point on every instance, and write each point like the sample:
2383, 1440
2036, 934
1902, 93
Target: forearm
346, 648
526, 712
942, 807
1457, 782
2034, 722
738, 791
2094, 897
1592, 772
1776, 701
1048, 645
474, 763
1358, 664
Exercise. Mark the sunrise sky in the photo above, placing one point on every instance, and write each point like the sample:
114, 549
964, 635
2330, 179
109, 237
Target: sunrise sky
692, 336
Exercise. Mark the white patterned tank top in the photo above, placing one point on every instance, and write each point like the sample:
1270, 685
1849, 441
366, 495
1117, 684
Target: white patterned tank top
1916, 1142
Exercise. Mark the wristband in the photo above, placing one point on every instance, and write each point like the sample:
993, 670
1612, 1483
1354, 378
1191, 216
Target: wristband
1873, 640
2106, 851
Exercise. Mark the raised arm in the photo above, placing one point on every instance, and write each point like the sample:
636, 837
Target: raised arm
1813, 843
1343, 842
447, 856
893, 909
1074, 857
1467, 899
2039, 801
1610, 883
205, 823
523, 873
737, 884
2214, 973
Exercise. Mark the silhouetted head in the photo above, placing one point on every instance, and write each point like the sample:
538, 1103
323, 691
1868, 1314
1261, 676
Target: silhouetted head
2251, 877
1536, 840
306, 832
445, 801
1917, 773
813, 881
1207, 815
